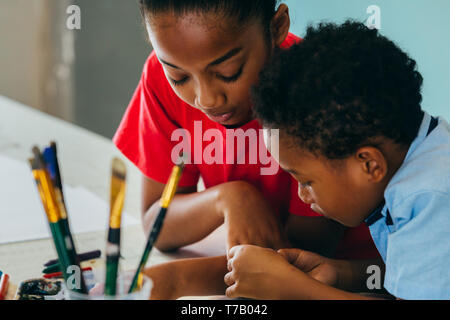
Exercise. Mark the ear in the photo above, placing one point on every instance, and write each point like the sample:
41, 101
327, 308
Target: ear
372, 163
280, 25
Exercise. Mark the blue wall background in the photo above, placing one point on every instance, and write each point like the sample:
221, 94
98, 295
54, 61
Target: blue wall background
420, 27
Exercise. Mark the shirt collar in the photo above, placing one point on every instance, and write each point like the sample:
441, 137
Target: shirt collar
376, 215
379, 212
421, 135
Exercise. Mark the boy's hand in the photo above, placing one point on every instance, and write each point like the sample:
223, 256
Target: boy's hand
320, 268
249, 217
258, 273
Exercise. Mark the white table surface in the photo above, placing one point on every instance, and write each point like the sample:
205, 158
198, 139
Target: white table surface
85, 160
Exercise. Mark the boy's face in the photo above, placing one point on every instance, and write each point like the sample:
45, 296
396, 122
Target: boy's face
210, 64
342, 190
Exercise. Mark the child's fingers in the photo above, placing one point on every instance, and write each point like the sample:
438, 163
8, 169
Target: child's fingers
231, 252
229, 279
302, 259
229, 264
291, 255
231, 291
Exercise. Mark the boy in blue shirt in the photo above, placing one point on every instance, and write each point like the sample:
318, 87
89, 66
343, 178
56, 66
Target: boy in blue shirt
347, 102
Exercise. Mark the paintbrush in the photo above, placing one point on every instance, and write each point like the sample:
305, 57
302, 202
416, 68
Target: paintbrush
117, 199
166, 198
52, 207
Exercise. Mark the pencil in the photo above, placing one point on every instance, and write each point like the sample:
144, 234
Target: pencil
117, 198
60, 274
66, 252
4, 285
166, 198
53, 268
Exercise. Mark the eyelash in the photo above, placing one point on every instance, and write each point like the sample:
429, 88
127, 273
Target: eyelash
233, 78
179, 82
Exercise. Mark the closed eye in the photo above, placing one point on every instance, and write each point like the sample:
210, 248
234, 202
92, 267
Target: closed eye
179, 82
234, 77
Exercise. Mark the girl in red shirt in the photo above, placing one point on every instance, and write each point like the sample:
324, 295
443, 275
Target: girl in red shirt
207, 55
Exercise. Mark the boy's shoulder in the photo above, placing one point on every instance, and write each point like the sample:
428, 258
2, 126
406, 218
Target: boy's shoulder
415, 242
425, 172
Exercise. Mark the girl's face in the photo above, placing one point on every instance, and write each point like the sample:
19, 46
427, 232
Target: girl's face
211, 63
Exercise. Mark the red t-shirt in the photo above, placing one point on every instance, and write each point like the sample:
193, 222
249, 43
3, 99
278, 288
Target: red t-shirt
145, 136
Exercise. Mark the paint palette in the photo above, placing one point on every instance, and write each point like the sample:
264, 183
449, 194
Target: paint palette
39, 289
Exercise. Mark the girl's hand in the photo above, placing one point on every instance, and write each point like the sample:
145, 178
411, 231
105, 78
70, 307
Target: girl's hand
320, 268
259, 273
249, 217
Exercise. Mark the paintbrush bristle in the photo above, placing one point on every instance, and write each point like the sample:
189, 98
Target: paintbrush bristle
119, 169
38, 159
32, 163
182, 159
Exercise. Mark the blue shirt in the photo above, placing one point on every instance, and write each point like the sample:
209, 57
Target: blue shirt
413, 234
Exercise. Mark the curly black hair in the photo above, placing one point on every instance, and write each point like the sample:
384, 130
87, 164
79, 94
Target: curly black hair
340, 88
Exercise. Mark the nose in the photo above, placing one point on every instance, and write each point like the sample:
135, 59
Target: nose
208, 97
305, 195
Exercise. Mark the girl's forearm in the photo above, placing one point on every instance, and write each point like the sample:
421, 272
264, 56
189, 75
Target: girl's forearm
201, 276
190, 218
187, 277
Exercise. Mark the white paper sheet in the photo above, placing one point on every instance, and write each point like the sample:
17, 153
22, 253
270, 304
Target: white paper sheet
22, 216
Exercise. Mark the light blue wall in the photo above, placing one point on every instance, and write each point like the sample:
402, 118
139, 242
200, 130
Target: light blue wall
419, 27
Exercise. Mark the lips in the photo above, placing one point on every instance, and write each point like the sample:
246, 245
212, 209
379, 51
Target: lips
221, 118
